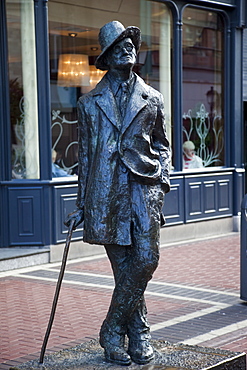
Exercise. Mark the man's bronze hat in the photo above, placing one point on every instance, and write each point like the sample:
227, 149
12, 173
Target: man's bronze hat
110, 34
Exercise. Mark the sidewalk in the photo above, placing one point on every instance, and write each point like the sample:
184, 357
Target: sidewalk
193, 298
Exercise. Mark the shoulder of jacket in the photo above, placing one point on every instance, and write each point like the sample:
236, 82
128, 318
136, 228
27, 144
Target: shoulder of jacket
155, 93
86, 97
151, 91
98, 90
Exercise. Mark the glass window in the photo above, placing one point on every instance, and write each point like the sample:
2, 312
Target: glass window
23, 89
203, 78
73, 31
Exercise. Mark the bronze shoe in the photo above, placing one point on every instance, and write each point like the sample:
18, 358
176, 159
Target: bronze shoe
140, 351
117, 355
113, 344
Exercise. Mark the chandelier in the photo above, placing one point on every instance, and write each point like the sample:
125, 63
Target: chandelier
73, 70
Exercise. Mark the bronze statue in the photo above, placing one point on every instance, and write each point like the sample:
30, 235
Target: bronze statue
124, 159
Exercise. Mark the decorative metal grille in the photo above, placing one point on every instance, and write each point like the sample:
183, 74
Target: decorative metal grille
206, 131
59, 122
21, 150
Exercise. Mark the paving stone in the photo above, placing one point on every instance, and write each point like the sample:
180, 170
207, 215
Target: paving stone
191, 277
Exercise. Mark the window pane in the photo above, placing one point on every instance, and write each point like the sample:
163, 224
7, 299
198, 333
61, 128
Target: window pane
73, 31
203, 119
23, 89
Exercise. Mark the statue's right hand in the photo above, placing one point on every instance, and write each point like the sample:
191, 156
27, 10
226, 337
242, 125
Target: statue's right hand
76, 216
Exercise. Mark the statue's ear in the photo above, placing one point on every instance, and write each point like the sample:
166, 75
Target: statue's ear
106, 59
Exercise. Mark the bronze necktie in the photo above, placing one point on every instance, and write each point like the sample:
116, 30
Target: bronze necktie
124, 98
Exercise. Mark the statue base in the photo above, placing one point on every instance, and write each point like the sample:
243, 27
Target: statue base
168, 356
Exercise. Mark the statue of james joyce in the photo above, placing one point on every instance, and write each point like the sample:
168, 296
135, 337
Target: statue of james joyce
124, 158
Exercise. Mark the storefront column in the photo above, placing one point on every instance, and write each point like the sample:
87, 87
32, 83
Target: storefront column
165, 68
43, 82
5, 154
29, 107
236, 98
177, 91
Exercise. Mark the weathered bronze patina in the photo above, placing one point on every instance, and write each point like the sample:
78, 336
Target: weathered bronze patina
124, 158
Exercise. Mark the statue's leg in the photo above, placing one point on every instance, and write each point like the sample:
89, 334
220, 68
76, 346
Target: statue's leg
127, 312
139, 262
147, 203
138, 327
139, 336
137, 323
112, 333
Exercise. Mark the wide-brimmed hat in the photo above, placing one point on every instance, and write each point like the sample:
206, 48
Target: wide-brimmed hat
110, 34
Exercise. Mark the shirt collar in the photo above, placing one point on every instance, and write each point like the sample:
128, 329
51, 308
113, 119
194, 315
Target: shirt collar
116, 84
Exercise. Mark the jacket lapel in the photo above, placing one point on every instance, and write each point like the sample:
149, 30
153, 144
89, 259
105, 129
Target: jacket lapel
107, 103
138, 100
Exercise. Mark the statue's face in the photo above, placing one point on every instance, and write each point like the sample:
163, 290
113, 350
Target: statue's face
122, 55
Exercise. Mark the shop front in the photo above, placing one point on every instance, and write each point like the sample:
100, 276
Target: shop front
190, 52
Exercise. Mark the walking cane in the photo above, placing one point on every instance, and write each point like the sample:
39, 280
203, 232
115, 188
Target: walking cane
59, 282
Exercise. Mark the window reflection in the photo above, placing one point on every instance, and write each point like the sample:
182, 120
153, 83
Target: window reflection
23, 89
203, 118
57, 170
190, 159
74, 47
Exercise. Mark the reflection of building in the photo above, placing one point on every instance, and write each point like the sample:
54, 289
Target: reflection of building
199, 74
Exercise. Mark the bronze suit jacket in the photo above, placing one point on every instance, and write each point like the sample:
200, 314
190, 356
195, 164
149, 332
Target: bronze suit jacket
113, 153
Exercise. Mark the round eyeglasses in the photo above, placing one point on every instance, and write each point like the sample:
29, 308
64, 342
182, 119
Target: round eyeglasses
127, 46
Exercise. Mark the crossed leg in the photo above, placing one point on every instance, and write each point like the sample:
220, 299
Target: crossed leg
132, 267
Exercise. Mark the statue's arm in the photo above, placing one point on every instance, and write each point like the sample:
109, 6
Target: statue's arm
161, 144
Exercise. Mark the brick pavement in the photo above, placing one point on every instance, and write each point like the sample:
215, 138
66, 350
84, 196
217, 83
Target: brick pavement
193, 297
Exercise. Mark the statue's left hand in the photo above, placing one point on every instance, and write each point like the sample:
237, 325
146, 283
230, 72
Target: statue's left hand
165, 187
77, 217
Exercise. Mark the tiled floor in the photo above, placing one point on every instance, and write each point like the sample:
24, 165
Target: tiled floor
192, 298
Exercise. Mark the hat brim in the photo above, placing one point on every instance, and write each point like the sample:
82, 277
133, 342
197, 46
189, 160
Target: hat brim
132, 32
